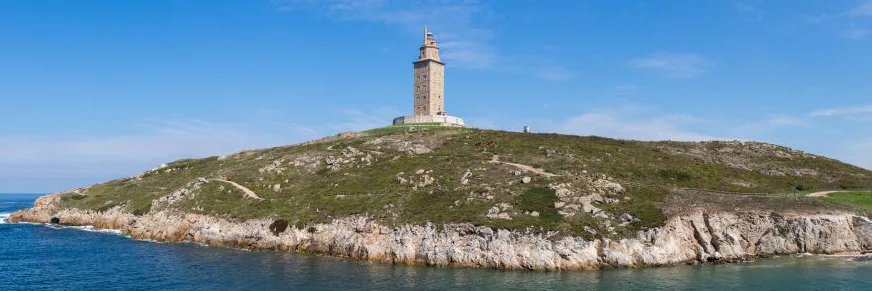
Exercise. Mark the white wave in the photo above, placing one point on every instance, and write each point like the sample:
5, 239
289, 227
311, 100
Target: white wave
3, 217
87, 228
802, 255
195, 243
94, 229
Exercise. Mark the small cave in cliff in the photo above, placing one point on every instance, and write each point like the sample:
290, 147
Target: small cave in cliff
55, 220
278, 226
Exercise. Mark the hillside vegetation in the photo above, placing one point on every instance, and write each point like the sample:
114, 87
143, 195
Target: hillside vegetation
587, 186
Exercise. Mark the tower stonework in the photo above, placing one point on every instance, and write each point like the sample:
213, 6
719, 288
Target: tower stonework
429, 79
429, 97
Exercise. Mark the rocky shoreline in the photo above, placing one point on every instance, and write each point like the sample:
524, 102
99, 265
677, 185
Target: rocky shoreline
685, 239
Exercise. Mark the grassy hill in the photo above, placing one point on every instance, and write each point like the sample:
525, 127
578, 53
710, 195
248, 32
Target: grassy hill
589, 186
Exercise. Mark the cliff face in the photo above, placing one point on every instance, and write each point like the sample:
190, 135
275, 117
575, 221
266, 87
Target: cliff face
694, 237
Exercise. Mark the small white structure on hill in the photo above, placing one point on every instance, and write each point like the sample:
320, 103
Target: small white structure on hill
429, 94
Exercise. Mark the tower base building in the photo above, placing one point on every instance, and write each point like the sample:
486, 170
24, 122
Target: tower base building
440, 120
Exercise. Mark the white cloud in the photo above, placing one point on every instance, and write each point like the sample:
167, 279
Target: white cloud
468, 54
57, 163
856, 111
863, 10
459, 26
856, 153
481, 122
646, 124
629, 123
359, 120
546, 68
624, 89
751, 11
674, 65
856, 33
554, 73
771, 123
160, 139
850, 24
819, 18
464, 43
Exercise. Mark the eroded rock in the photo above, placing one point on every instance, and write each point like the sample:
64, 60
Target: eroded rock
692, 237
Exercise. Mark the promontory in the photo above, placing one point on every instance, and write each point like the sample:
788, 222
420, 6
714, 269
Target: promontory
454, 196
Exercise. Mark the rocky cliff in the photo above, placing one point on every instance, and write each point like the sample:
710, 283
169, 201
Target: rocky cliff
688, 238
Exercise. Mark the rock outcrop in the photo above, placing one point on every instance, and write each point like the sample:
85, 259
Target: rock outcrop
689, 238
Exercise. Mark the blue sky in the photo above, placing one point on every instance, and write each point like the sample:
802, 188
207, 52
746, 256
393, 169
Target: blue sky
95, 90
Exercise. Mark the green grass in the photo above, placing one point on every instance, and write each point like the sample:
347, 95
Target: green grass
861, 199
394, 129
541, 199
311, 191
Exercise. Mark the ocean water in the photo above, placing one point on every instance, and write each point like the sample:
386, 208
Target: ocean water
38, 257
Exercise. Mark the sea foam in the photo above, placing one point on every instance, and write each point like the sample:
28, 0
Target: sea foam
94, 229
3, 217
87, 228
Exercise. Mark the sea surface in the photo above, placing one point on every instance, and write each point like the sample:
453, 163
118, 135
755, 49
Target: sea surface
39, 257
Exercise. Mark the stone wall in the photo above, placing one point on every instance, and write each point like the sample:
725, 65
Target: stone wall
429, 87
443, 120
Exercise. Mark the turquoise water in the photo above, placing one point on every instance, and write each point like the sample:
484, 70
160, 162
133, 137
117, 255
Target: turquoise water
36, 257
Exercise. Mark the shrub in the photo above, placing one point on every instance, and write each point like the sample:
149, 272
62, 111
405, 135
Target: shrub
541, 199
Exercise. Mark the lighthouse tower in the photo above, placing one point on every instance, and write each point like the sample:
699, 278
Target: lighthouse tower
429, 96
429, 79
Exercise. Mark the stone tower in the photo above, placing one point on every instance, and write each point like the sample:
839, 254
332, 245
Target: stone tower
429, 89
429, 79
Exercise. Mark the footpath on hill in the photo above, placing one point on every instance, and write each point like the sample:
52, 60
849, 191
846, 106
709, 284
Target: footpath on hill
821, 194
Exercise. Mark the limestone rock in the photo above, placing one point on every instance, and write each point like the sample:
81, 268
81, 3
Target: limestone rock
400, 179
420, 150
496, 212
464, 180
692, 237
772, 173
597, 198
805, 172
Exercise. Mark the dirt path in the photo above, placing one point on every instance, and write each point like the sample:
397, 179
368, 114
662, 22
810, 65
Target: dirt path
248, 192
821, 194
496, 159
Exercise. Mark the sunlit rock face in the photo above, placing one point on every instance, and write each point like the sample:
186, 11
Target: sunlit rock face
690, 238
